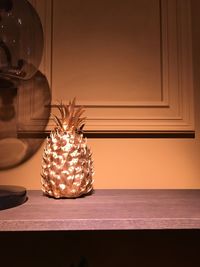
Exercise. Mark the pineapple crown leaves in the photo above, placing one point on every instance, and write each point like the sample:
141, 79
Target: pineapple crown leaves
70, 117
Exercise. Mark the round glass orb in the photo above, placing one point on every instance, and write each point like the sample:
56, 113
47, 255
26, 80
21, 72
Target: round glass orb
21, 39
8, 92
15, 99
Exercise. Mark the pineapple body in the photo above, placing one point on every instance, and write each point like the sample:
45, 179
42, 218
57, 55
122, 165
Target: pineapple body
67, 166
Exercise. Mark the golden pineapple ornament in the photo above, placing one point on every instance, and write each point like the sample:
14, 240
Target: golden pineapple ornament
67, 167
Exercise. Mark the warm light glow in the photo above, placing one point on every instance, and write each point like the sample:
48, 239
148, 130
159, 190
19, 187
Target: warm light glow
70, 170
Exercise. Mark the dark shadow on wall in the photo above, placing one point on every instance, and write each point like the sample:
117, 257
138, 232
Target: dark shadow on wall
131, 134
195, 19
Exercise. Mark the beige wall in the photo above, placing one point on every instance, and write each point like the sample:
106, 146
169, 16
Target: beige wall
136, 163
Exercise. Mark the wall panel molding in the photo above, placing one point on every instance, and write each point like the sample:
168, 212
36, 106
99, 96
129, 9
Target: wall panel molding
173, 111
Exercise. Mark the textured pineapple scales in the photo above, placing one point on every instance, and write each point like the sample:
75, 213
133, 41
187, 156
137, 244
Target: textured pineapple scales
67, 167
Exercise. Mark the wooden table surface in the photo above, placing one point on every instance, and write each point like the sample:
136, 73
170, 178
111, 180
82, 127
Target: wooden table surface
106, 210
